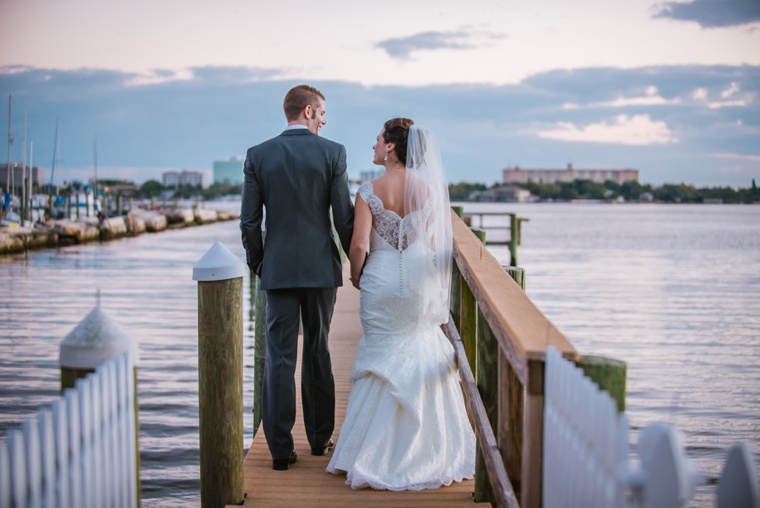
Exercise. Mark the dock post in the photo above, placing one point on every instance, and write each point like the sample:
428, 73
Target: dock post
509, 431
514, 236
517, 274
608, 374
471, 334
259, 350
97, 339
220, 375
456, 279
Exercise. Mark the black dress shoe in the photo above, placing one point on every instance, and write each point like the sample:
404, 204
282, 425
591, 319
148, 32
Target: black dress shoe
324, 449
282, 464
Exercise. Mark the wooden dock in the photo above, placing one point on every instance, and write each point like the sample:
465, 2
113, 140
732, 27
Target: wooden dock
306, 484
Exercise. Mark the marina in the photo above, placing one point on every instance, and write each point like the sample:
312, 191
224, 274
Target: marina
53, 233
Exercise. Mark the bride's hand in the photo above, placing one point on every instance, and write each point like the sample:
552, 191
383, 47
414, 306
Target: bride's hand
355, 282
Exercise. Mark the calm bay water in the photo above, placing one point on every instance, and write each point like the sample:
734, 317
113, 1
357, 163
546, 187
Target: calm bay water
674, 291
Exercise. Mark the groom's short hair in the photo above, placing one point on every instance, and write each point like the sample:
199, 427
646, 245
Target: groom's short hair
298, 98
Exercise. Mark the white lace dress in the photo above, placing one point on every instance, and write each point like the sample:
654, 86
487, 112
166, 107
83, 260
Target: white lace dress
406, 427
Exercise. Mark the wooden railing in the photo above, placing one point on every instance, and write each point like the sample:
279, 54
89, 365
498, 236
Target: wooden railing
514, 230
501, 339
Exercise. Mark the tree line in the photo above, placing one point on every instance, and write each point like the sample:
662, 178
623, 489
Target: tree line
611, 191
467, 191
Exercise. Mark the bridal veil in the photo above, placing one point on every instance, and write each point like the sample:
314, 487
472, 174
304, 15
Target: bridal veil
427, 187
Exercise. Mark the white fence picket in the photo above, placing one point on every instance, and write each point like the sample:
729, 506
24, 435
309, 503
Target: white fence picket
5, 476
31, 433
129, 411
81, 451
582, 440
48, 450
18, 468
75, 446
61, 431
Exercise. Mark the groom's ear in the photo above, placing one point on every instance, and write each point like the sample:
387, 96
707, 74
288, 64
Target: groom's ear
309, 112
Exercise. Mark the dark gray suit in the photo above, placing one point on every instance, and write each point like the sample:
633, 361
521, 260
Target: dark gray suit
298, 176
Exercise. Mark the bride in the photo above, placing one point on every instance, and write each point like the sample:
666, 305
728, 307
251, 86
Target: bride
406, 427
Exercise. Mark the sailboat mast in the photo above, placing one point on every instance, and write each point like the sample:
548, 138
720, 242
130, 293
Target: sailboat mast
55, 156
95, 157
29, 182
10, 142
24, 197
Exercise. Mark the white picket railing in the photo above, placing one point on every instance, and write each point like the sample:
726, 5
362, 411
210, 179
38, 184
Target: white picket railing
79, 452
587, 461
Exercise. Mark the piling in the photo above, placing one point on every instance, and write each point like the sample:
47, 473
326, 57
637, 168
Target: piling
98, 339
472, 339
454, 300
220, 376
608, 374
259, 350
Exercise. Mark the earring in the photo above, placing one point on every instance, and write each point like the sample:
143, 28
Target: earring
386, 157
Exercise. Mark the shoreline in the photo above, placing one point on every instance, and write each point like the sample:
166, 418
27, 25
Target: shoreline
62, 232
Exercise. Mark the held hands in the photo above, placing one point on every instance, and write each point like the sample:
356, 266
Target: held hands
355, 282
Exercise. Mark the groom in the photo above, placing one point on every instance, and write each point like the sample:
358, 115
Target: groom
298, 177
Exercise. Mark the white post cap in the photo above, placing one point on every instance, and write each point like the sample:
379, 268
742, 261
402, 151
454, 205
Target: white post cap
218, 263
97, 339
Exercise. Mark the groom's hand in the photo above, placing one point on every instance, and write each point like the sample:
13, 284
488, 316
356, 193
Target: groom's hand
355, 282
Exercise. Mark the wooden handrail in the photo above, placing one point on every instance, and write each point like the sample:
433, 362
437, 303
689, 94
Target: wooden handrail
522, 331
502, 487
506, 338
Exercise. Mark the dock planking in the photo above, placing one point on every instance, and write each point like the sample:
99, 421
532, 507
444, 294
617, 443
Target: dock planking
306, 484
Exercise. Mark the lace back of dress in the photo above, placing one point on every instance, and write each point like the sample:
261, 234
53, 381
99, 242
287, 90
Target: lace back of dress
398, 232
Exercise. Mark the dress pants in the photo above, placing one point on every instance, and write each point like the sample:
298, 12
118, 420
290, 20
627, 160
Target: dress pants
315, 308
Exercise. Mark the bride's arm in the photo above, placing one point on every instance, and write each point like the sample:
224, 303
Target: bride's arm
357, 254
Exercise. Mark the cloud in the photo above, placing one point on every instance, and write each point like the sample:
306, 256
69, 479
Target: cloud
221, 111
754, 158
625, 130
403, 47
712, 13
237, 74
701, 95
158, 76
651, 98
731, 90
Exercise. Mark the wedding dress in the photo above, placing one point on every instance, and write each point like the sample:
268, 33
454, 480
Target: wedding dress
406, 426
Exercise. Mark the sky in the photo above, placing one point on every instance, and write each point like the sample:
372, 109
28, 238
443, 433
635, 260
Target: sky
669, 88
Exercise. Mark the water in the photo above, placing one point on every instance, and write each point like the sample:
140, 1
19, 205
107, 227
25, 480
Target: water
671, 290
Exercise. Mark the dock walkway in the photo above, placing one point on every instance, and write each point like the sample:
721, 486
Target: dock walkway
306, 484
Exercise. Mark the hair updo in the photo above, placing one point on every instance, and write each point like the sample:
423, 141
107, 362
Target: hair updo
397, 131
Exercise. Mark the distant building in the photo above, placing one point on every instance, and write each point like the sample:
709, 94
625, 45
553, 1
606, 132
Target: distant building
17, 177
509, 193
517, 175
184, 177
370, 174
229, 171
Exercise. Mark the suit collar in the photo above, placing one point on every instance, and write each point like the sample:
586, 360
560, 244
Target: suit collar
296, 132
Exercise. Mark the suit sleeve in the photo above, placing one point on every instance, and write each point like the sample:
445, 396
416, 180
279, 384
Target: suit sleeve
251, 213
340, 200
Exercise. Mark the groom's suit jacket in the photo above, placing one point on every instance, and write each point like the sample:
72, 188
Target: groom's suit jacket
297, 176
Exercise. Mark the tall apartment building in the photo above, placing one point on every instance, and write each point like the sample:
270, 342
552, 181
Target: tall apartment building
517, 175
229, 170
184, 177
